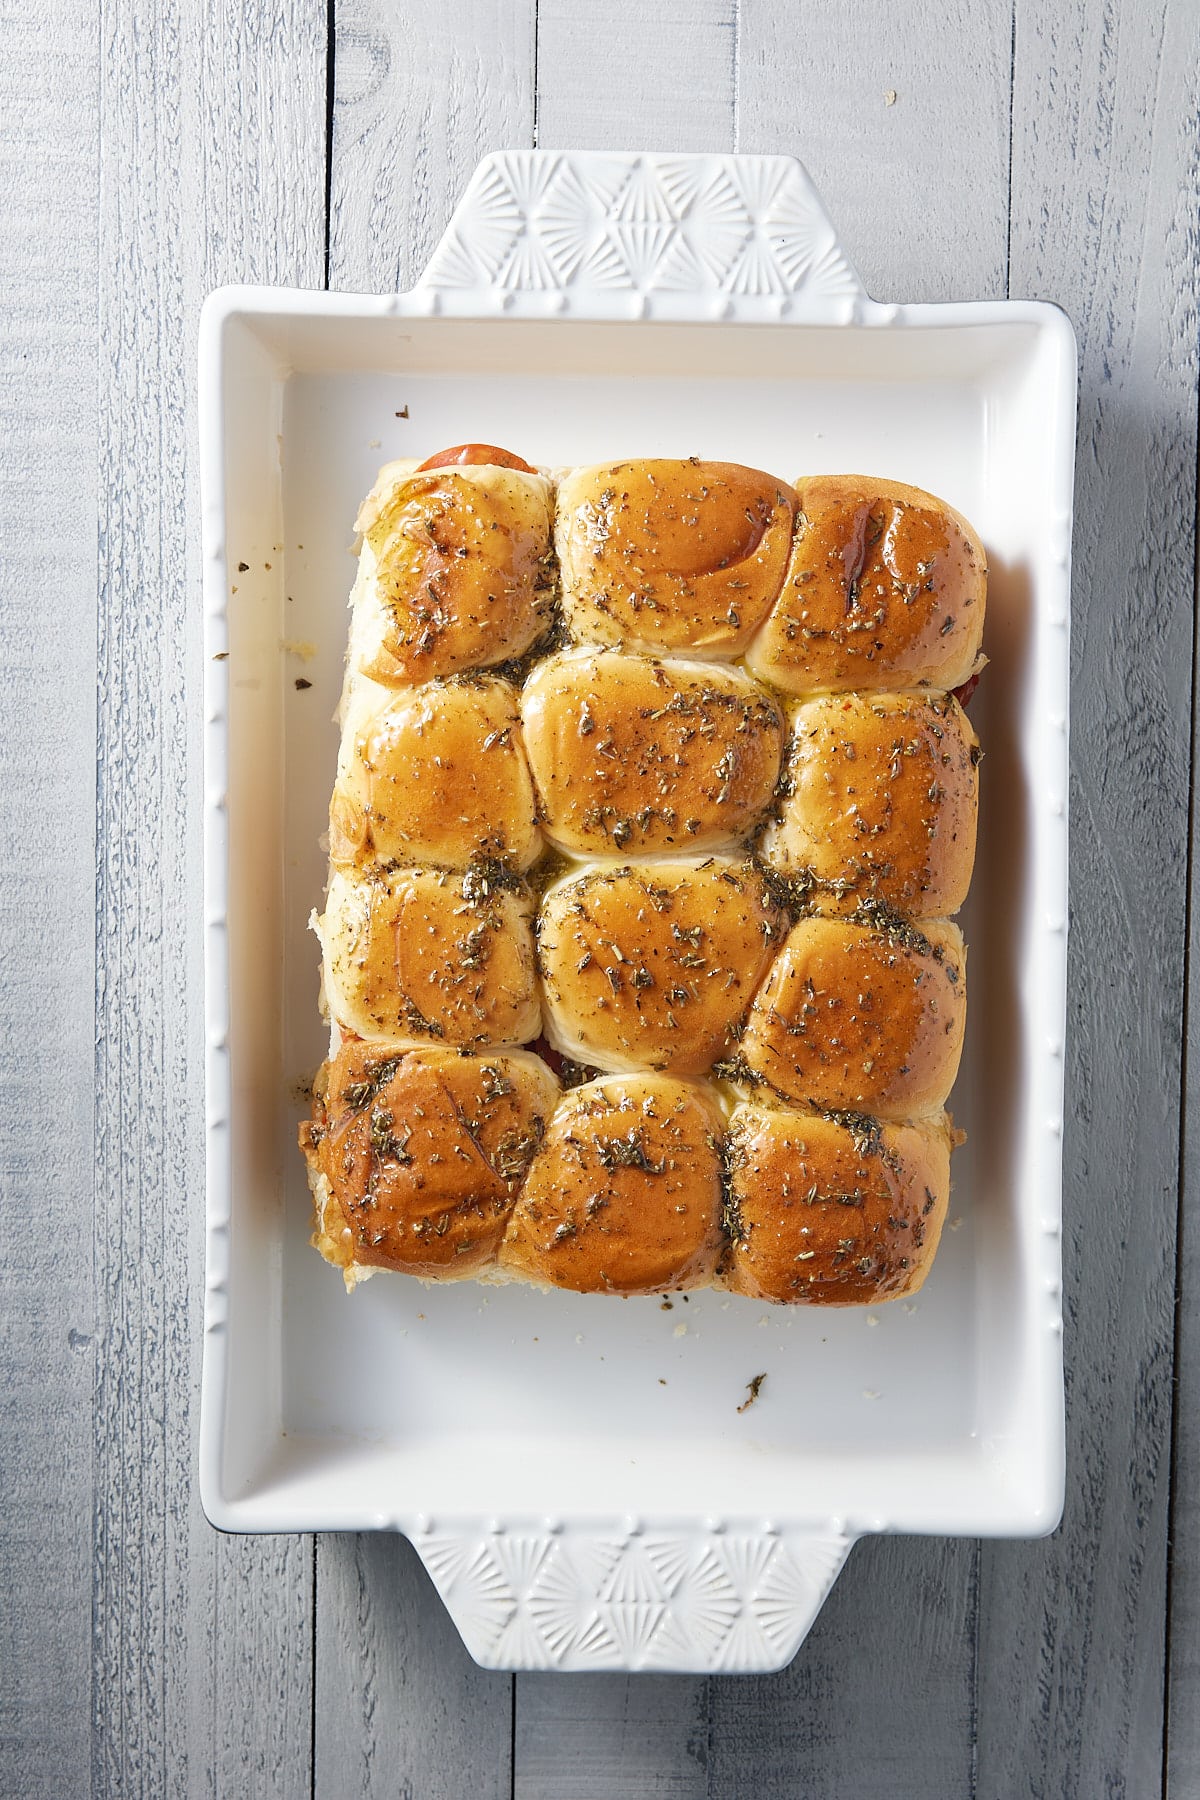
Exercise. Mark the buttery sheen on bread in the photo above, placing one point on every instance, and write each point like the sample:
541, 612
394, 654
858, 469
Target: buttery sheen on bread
884, 589
454, 573
661, 758
665, 555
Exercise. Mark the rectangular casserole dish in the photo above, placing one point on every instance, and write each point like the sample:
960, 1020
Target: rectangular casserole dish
575, 1471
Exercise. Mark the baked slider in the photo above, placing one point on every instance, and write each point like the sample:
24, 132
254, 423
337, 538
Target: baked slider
881, 801
455, 570
885, 588
433, 774
662, 554
653, 966
837, 1211
415, 1156
624, 1195
634, 755
862, 1015
416, 955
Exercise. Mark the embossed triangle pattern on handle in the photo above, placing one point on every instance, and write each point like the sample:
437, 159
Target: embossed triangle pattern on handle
540, 233
734, 1597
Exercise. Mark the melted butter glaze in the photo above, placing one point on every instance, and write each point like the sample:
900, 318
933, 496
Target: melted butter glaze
624, 1196
662, 554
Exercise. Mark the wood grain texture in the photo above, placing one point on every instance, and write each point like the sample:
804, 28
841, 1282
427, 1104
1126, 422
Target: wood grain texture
880, 1698
1182, 1759
48, 512
211, 168
901, 116
401, 1708
1104, 219
617, 76
641, 1737
423, 89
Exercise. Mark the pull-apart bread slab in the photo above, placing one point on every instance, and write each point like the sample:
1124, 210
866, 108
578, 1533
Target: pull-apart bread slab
654, 804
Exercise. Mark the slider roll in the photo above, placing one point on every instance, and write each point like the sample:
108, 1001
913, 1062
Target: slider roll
419, 956
433, 774
881, 797
455, 571
885, 589
624, 1196
653, 966
667, 555
637, 756
415, 1156
833, 1211
862, 1015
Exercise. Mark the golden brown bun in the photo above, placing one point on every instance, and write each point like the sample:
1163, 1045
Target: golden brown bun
654, 966
624, 1196
415, 1156
416, 954
885, 589
635, 756
662, 554
455, 571
827, 1212
434, 774
884, 800
862, 1017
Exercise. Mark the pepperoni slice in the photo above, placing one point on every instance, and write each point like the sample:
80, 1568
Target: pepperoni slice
963, 694
473, 454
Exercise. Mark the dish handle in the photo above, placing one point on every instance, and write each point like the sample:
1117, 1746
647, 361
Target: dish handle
631, 1594
545, 233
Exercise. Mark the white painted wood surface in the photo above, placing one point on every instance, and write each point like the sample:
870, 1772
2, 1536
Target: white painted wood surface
1047, 147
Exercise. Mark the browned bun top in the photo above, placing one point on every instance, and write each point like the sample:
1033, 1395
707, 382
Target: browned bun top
415, 955
839, 1212
624, 1196
883, 803
415, 1156
886, 588
654, 966
633, 755
862, 1016
456, 571
434, 774
671, 554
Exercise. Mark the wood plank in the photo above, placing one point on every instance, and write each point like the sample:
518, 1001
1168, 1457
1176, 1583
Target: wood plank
422, 90
400, 1706
611, 1737
212, 168
1182, 1724
1104, 207
879, 1700
48, 514
901, 116
668, 81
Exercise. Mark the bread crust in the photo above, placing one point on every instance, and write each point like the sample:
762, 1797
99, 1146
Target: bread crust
455, 571
624, 1195
435, 774
883, 802
862, 1015
653, 965
415, 1156
642, 756
885, 588
833, 1211
659, 554
419, 955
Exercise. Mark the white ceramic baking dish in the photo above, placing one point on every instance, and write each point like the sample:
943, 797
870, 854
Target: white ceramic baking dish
575, 1471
